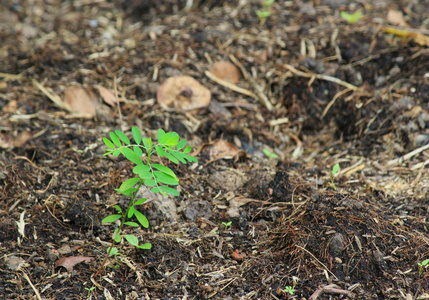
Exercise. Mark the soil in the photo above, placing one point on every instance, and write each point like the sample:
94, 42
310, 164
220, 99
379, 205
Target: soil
315, 90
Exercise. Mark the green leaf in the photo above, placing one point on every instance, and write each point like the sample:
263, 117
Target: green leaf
138, 150
131, 156
163, 169
145, 246
150, 182
171, 158
115, 139
123, 137
169, 139
118, 237
132, 240
351, 18
116, 152
166, 179
169, 190
147, 142
136, 135
127, 192
155, 190
160, 134
111, 218
131, 212
129, 183
141, 218
143, 171
180, 156
118, 209
160, 151
141, 201
187, 149
108, 143
132, 224
335, 169
114, 251
181, 144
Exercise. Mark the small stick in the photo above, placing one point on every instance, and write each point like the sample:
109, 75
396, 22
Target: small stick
407, 156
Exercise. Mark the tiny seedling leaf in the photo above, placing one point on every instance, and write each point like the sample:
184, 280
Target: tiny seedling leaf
132, 240
132, 224
145, 246
108, 143
169, 190
141, 201
335, 169
123, 137
111, 218
351, 18
115, 139
129, 183
114, 251
136, 135
142, 219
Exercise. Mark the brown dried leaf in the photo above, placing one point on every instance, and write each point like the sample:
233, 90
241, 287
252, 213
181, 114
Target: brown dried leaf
81, 100
106, 95
71, 261
221, 148
183, 93
226, 71
237, 256
396, 18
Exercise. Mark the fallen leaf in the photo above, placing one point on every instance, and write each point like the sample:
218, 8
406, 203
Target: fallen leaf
106, 95
183, 93
226, 70
396, 18
15, 263
221, 149
81, 100
71, 261
237, 256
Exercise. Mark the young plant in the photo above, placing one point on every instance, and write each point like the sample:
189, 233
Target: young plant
155, 176
423, 264
289, 290
351, 18
89, 291
334, 171
227, 224
265, 12
270, 154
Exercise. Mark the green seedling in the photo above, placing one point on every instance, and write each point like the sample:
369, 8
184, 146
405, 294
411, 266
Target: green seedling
226, 224
423, 264
89, 291
351, 18
289, 290
334, 171
265, 12
270, 154
155, 176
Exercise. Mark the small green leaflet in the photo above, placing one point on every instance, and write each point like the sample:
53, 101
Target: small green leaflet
351, 18
143, 171
115, 139
137, 136
122, 136
132, 240
145, 246
160, 134
131, 155
166, 179
169, 190
132, 224
164, 169
141, 218
108, 143
129, 183
141, 201
131, 212
181, 144
111, 218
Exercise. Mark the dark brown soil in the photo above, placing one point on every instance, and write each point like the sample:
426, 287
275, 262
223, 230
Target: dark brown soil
324, 92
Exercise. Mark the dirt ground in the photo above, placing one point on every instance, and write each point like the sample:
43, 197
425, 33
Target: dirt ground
313, 90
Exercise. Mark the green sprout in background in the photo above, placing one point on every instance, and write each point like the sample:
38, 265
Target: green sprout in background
89, 291
289, 290
155, 176
227, 224
423, 264
352, 18
270, 154
265, 12
334, 171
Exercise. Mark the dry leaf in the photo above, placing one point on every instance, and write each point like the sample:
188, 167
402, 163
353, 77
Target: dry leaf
226, 71
396, 18
237, 256
71, 261
221, 148
183, 93
15, 263
106, 95
81, 100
